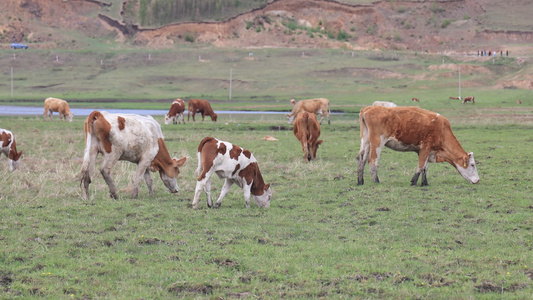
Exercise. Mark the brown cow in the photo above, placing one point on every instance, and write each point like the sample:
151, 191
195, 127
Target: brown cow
134, 138
411, 129
200, 106
518, 101
175, 113
455, 98
236, 165
57, 105
469, 99
415, 99
316, 106
307, 130
8, 146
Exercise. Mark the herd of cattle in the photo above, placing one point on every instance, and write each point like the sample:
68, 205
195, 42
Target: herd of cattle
139, 139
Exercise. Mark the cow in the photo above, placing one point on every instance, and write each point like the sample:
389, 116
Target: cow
518, 101
235, 165
307, 130
455, 98
316, 106
384, 103
175, 113
200, 106
411, 129
57, 105
469, 99
133, 138
8, 146
415, 99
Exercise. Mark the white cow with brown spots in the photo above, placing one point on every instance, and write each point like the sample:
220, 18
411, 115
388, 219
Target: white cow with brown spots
57, 105
175, 113
8, 147
236, 165
411, 129
318, 106
134, 138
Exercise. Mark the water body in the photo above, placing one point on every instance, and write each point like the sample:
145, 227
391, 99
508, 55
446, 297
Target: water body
9, 110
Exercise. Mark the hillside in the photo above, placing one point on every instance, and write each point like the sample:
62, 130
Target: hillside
430, 26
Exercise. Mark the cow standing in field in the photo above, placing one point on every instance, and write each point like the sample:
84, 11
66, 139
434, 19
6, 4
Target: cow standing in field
8, 147
175, 113
57, 105
384, 103
134, 138
307, 131
200, 106
317, 106
411, 129
469, 99
236, 165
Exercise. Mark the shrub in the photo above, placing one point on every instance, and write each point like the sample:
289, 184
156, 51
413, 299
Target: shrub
445, 23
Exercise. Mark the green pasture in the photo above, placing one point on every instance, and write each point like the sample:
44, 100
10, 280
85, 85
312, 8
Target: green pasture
322, 237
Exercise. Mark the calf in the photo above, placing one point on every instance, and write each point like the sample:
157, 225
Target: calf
307, 130
384, 103
316, 106
236, 165
175, 114
8, 146
57, 105
200, 106
411, 129
134, 138
469, 99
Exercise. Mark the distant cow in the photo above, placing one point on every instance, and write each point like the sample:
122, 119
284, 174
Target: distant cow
175, 113
200, 106
455, 98
415, 99
384, 103
134, 138
411, 129
236, 165
469, 99
57, 105
307, 130
8, 146
518, 101
317, 106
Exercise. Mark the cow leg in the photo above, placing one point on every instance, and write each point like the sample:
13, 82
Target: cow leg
207, 190
247, 193
423, 157
362, 159
225, 189
305, 148
203, 116
203, 185
105, 170
373, 157
86, 174
149, 182
142, 168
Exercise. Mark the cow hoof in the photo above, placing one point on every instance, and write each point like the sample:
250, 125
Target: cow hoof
217, 205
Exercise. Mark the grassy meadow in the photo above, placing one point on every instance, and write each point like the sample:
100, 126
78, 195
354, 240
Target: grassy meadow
322, 237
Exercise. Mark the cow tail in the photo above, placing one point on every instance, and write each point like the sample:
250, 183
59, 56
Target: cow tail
87, 164
199, 169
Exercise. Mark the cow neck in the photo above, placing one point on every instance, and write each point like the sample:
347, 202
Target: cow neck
453, 151
13, 151
163, 161
258, 184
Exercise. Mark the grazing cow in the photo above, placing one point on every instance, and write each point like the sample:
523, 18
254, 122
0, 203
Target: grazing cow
175, 113
307, 130
134, 138
411, 129
316, 106
201, 106
384, 103
415, 99
469, 99
455, 98
57, 105
518, 101
236, 165
8, 146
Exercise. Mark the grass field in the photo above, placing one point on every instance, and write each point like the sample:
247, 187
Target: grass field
323, 236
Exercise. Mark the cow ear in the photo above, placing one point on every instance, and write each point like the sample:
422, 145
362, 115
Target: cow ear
319, 142
180, 162
18, 155
267, 186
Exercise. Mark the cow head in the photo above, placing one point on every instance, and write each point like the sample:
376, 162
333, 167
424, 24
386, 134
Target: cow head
467, 168
313, 148
291, 118
168, 119
69, 117
264, 199
214, 117
14, 159
170, 174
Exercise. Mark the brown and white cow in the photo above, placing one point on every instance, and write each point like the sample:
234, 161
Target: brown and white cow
455, 98
175, 113
317, 106
200, 106
307, 131
411, 129
415, 99
384, 103
469, 99
8, 146
235, 165
518, 101
57, 105
134, 138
